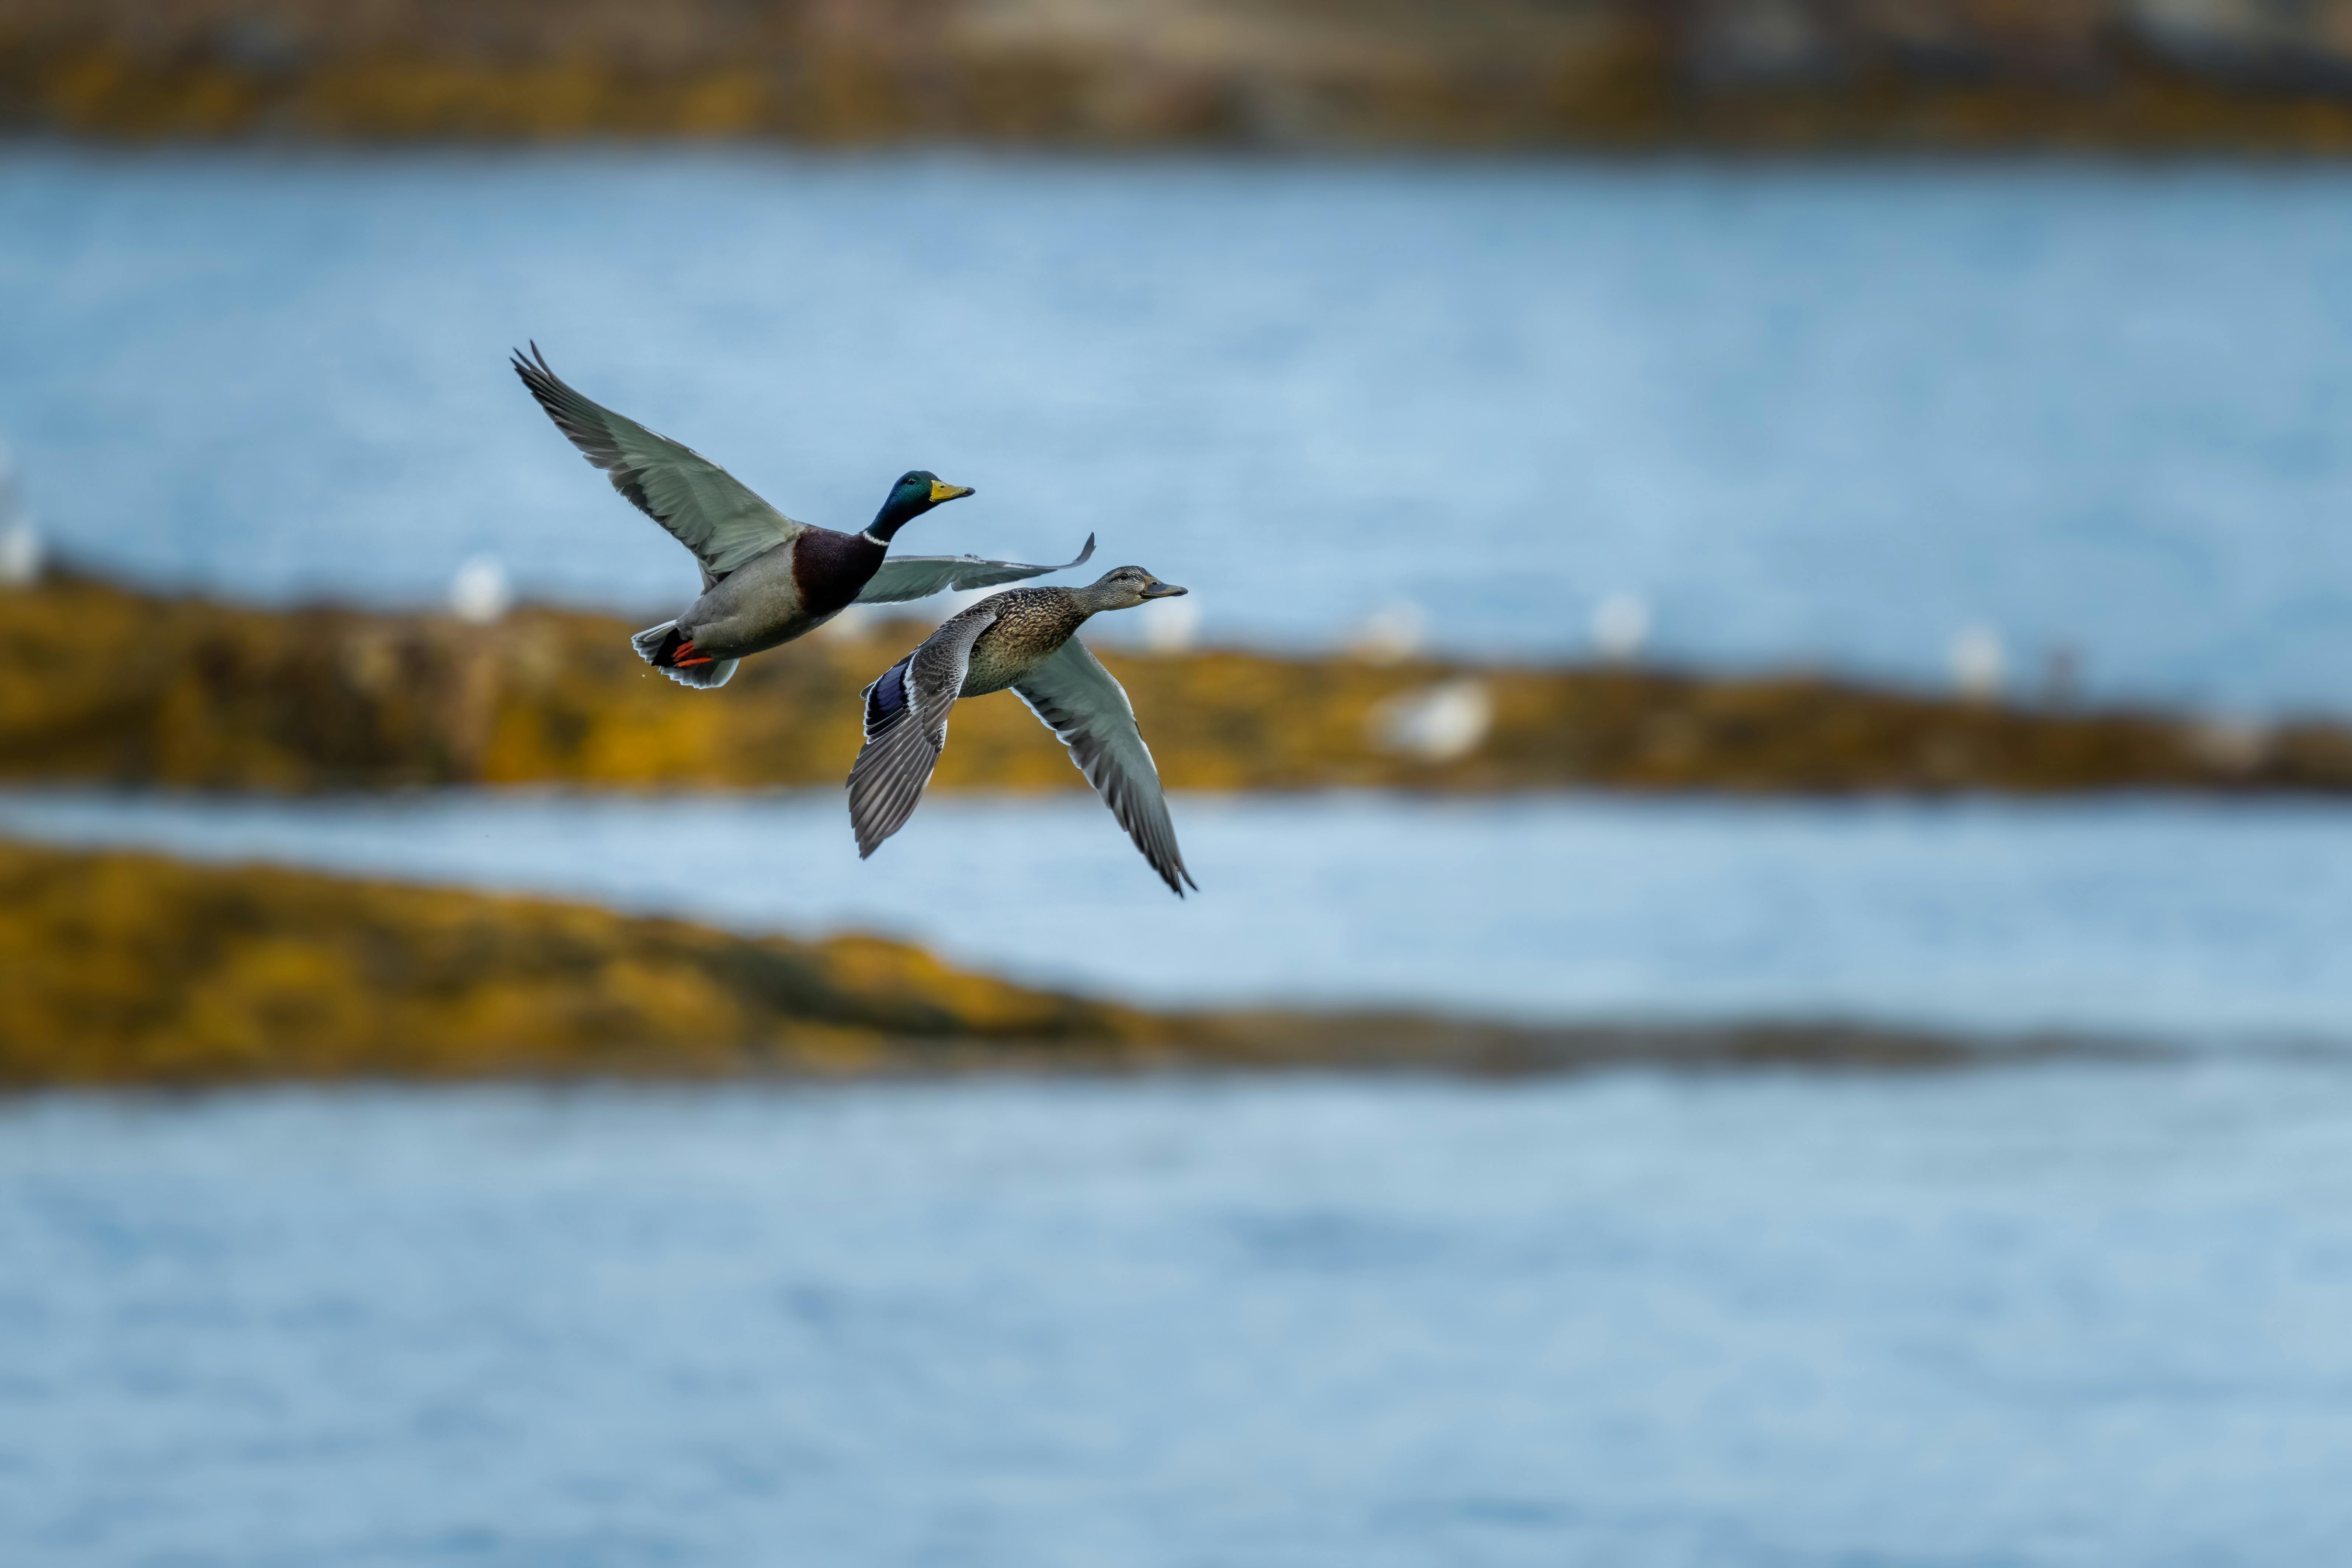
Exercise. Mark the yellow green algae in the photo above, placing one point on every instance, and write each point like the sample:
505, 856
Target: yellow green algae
101, 684
125, 968
1929, 73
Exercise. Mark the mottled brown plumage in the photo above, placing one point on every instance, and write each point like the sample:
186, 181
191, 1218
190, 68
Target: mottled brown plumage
1028, 625
1025, 640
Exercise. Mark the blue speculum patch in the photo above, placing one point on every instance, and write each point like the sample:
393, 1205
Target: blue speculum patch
888, 694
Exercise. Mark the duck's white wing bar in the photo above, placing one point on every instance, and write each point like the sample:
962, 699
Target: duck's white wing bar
907, 729
712, 513
905, 577
1080, 701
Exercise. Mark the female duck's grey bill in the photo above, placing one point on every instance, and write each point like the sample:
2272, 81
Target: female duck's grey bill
1165, 591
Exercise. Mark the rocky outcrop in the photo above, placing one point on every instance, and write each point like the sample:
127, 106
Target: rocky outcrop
1259, 72
185, 693
132, 969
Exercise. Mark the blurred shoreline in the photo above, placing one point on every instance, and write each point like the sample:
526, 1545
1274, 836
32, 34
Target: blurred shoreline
1933, 74
106, 685
137, 969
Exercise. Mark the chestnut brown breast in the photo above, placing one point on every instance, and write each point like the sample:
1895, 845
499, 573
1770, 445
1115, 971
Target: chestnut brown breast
828, 568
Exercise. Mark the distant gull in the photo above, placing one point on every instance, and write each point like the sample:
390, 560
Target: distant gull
21, 556
1170, 626
1621, 627
1976, 659
479, 594
1393, 634
1434, 723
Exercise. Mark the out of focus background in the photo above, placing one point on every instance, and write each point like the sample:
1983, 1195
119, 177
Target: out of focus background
1763, 721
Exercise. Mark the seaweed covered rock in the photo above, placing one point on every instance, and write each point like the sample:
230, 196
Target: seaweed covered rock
135, 968
194, 694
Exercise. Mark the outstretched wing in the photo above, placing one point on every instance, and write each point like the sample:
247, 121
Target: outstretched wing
1080, 701
712, 513
907, 728
905, 577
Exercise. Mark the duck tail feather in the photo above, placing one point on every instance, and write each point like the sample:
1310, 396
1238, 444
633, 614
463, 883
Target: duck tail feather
704, 675
657, 645
660, 647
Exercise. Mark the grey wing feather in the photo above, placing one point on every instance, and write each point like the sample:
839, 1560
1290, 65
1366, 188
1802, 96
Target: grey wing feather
907, 729
905, 577
1080, 701
711, 512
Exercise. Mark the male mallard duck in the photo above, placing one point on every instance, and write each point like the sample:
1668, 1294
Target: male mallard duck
766, 579
1024, 639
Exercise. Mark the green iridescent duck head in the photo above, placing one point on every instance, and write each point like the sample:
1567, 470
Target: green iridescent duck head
915, 493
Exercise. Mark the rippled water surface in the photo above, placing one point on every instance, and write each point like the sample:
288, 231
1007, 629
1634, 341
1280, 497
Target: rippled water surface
2177, 920
1812, 413
2036, 1318
2079, 1316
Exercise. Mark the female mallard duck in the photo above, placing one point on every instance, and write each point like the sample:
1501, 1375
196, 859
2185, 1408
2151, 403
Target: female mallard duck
1024, 639
766, 579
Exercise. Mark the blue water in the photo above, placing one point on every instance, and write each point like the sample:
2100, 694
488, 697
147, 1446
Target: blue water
1831, 414
2033, 1318
2182, 921
2086, 1317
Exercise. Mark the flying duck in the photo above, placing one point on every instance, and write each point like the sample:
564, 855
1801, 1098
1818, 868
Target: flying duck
766, 579
1024, 639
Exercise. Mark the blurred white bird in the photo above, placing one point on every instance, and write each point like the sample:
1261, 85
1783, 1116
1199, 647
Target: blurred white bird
479, 594
1169, 626
1434, 723
1977, 659
20, 542
1393, 634
1621, 627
